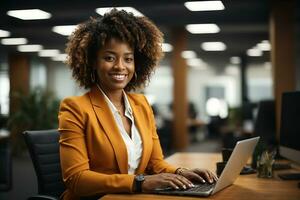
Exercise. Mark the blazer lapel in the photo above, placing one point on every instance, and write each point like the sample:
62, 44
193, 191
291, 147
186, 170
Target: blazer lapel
142, 126
106, 119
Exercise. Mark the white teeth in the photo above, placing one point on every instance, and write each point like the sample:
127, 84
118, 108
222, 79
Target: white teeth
118, 76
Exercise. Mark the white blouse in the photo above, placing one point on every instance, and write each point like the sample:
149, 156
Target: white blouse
134, 144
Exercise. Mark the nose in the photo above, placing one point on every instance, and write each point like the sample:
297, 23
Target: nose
119, 64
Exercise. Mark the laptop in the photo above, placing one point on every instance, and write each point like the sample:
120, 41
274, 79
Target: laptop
241, 153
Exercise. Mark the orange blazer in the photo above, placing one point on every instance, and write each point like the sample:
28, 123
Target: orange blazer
92, 152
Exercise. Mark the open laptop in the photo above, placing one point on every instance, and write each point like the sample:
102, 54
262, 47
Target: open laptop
241, 153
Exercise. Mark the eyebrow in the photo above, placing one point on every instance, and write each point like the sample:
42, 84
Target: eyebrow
112, 52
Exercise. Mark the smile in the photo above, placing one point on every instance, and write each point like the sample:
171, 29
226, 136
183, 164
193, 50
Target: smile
118, 77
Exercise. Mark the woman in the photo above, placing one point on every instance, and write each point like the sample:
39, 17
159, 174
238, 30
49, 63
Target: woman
108, 141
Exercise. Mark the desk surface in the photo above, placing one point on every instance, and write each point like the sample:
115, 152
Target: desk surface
245, 187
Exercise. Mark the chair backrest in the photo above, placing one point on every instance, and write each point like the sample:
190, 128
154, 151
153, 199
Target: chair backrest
5, 165
43, 147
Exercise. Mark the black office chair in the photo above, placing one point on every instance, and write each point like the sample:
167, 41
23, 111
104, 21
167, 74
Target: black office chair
5, 165
43, 147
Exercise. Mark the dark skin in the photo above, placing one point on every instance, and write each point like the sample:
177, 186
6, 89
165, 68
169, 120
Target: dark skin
115, 68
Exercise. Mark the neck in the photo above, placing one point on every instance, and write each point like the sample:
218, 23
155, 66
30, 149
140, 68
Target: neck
115, 96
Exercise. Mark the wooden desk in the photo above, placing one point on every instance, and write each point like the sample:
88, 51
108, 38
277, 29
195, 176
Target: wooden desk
247, 187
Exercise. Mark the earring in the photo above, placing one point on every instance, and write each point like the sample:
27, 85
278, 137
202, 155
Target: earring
135, 76
93, 79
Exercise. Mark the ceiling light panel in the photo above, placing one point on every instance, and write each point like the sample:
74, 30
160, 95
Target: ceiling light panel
4, 33
202, 28
204, 5
14, 41
213, 46
29, 14
64, 30
30, 48
49, 53
102, 11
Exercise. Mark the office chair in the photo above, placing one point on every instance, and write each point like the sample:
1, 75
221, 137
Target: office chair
43, 148
5, 165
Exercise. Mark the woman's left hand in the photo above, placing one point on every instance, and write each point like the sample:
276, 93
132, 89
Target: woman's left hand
199, 175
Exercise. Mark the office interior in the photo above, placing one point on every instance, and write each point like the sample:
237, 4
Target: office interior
204, 97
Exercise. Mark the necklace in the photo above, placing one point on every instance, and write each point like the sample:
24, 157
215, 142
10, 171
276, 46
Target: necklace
119, 108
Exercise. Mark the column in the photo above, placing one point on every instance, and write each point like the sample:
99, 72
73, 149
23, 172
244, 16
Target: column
282, 21
180, 109
19, 70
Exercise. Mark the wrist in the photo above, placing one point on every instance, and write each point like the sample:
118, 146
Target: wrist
138, 183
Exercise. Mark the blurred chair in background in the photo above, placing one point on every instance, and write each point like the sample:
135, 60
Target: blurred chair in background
43, 148
164, 130
195, 125
5, 164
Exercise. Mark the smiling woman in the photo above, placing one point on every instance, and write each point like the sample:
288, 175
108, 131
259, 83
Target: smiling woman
108, 139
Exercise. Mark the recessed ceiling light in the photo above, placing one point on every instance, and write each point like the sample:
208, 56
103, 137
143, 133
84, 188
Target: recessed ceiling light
14, 41
30, 48
254, 52
4, 33
166, 47
102, 11
235, 60
64, 30
204, 5
188, 54
202, 28
213, 46
48, 53
30, 14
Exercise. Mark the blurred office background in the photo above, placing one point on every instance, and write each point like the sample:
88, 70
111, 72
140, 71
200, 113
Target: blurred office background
205, 92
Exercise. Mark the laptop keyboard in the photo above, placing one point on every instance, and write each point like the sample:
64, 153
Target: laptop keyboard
199, 190
201, 187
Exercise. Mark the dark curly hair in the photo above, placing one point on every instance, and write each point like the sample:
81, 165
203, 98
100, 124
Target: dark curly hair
90, 36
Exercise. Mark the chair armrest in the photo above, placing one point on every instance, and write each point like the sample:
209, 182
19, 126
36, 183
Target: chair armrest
42, 197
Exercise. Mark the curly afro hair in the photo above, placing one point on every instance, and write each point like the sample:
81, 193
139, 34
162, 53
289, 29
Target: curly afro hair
90, 36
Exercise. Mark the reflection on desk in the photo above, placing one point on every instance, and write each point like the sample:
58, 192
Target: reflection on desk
245, 187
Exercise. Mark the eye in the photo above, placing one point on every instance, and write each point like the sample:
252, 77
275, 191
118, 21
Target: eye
109, 58
129, 59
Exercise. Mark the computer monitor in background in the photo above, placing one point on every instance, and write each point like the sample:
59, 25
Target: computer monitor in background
290, 127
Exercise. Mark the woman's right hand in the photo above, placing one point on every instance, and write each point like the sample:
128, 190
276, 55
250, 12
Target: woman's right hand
165, 180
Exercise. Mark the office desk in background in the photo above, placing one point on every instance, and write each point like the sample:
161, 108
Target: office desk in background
247, 187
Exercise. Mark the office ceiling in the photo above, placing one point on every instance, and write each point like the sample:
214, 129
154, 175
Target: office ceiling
243, 23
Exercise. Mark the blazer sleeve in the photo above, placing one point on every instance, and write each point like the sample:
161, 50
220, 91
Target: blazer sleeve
77, 176
157, 164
